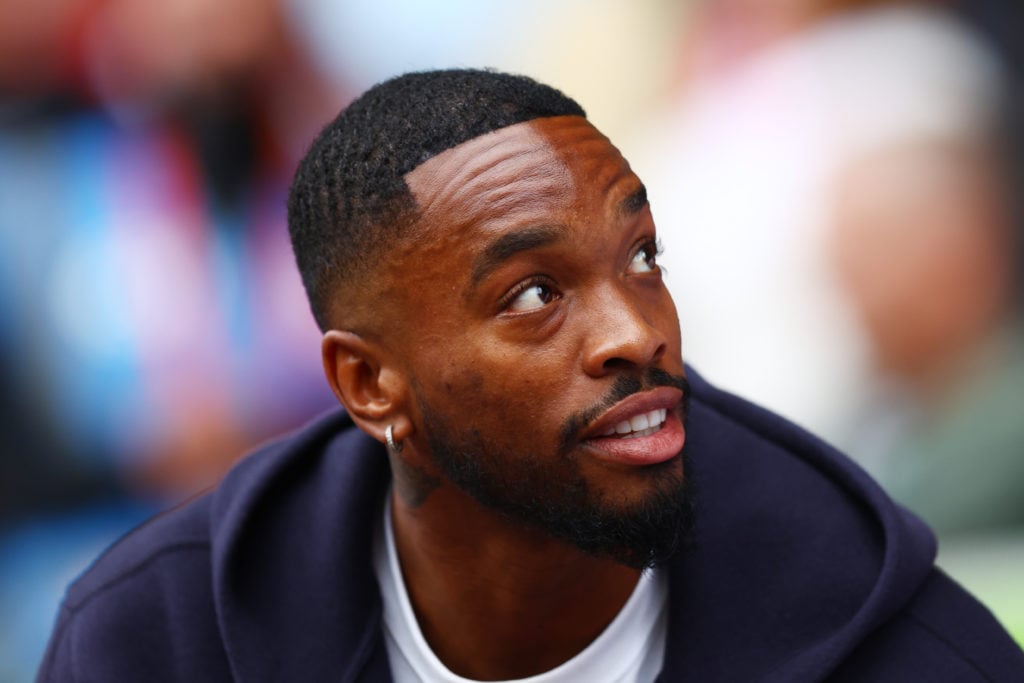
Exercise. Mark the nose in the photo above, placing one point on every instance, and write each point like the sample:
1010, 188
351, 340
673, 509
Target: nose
621, 334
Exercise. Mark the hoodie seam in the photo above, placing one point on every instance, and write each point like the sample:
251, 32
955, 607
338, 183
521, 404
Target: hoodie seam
62, 638
77, 605
937, 635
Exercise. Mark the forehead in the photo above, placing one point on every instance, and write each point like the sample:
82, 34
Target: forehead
540, 170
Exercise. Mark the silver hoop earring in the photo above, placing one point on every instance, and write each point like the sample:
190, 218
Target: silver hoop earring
394, 446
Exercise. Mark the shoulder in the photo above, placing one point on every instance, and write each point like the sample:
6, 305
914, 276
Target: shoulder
146, 598
176, 598
803, 567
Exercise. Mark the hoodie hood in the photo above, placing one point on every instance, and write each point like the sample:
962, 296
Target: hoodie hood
291, 530
797, 557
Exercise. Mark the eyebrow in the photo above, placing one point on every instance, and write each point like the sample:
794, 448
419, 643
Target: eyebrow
635, 202
510, 244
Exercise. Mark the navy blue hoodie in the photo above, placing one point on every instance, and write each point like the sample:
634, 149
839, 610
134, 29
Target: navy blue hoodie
802, 570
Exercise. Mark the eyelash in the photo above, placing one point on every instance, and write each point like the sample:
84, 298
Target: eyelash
514, 293
652, 244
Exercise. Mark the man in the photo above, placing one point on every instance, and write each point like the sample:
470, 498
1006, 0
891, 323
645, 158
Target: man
484, 265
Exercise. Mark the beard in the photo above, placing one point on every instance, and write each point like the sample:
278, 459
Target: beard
552, 494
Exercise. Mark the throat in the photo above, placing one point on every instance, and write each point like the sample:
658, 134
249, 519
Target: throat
506, 609
494, 636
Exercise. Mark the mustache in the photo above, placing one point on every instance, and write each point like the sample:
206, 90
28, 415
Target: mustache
624, 386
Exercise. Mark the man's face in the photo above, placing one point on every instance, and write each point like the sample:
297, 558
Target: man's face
542, 346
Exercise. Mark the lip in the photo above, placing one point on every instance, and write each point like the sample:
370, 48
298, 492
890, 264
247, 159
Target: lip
660, 446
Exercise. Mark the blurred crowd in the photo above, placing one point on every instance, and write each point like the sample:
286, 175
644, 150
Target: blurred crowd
837, 185
152, 325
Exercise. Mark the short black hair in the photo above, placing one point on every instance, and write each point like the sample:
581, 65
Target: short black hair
349, 194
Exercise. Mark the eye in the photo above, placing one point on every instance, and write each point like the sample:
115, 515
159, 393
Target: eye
531, 296
645, 260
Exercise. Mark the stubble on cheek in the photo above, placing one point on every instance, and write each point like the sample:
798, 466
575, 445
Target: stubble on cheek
414, 482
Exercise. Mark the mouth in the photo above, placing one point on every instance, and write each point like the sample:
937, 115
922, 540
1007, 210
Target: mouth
642, 429
640, 425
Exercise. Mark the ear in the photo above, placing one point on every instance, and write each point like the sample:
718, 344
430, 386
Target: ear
372, 390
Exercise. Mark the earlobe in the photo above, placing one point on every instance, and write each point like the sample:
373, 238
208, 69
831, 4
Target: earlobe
364, 382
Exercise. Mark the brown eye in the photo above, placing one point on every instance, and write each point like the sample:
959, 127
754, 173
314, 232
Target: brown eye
532, 297
645, 260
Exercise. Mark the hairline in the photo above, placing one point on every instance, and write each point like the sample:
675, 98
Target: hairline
409, 218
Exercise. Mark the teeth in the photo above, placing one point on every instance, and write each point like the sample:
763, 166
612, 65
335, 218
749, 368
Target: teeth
650, 421
638, 422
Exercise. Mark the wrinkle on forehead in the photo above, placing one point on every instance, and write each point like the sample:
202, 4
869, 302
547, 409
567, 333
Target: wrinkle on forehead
490, 174
523, 175
514, 170
538, 173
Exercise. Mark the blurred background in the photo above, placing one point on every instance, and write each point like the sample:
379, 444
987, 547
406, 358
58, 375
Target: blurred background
837, 184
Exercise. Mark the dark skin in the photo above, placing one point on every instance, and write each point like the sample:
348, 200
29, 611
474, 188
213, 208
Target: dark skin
528, 286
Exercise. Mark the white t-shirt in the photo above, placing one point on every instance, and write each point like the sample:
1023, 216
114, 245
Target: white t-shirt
629, 650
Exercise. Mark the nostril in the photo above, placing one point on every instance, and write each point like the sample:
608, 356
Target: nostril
618, 364
633, 353
659, 353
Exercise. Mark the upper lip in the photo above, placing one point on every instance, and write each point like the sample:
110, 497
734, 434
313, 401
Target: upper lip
636, 404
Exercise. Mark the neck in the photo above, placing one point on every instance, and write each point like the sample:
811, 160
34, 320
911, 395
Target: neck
495, 600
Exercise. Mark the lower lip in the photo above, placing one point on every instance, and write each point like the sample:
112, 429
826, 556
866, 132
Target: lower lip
660, 446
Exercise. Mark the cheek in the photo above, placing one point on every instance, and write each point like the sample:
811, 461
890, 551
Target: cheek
494, 381
500, 389
463, 384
